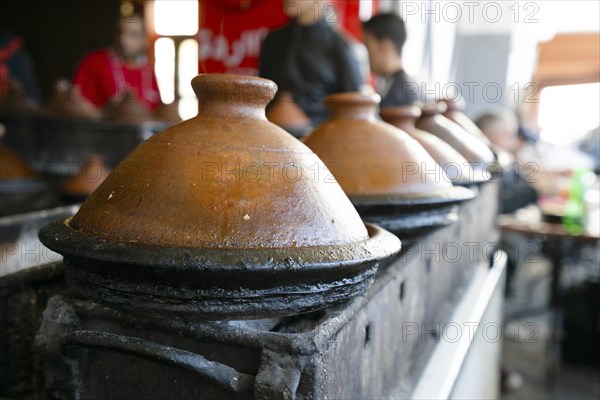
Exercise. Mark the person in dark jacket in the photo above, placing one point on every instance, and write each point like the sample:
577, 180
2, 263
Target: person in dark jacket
308, 59
384, 36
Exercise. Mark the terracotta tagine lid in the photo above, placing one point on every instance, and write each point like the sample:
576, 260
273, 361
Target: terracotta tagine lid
452, 162
284, 112
380, 166
472, 149
220, 216
454, 112
87, 179
14, 102
68, 102
167, 112
21, 189
13, 166
129, 110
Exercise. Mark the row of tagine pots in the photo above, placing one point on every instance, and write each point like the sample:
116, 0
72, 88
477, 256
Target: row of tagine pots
227, 216
68, 103
22, 186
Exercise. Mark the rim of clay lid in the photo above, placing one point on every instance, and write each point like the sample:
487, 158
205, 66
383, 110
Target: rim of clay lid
354, 98
407, 111
431, 108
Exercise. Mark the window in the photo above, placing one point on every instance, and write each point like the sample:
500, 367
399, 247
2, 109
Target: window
566, 113
176, 52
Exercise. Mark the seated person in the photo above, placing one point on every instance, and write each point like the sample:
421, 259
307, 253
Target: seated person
501, 128
308, 59
106, 74
384, 36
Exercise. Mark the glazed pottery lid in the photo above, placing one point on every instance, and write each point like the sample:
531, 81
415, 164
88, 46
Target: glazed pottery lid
453, 104
13, 166
454, 112
473, 149
410, 111
129, 110
369, 157
15, 101
285, 112
225, 179
88, 178
223, 216
432, 108
68, 102
167, 112
457, 168
403, 117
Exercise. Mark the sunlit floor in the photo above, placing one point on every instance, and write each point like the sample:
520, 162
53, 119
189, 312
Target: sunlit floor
530, 352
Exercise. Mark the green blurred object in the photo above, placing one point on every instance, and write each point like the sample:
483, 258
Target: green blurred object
575, 210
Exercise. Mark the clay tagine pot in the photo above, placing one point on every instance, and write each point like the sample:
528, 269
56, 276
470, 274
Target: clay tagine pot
21, 189
68, 102
454, 112
12, 165
452, 162
220, 217
284, 112
388, 175
129, 110
167, 112
15, 101
86, 180
477, 153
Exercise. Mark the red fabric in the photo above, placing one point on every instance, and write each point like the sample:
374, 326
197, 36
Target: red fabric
5, 54
95, 75
231, 33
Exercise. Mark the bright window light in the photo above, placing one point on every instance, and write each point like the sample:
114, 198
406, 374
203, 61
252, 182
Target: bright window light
188, 66
164, 68
188, 107
187, 69
568, 112
365, 10
176, 17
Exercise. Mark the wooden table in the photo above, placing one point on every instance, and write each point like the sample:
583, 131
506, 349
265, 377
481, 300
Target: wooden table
555, 239
554, 236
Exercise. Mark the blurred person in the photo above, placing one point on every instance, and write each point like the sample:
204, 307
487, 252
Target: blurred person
516, 191
546, 167
107, 74
590, 145
308, 59
384, 36
16, 66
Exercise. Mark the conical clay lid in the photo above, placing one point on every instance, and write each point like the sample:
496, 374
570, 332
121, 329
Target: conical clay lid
472, 149
452, 162
369, 157
227, 178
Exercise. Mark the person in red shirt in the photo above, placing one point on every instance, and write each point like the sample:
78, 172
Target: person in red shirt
107, 74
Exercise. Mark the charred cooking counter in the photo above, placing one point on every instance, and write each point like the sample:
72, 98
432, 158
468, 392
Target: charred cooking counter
376, 346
